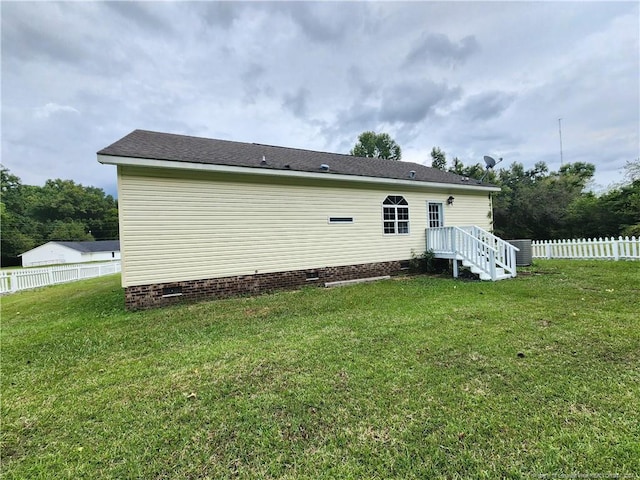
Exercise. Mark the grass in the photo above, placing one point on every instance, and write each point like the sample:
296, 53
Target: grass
419, 377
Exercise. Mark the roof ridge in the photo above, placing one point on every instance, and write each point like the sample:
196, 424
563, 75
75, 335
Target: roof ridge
258, 144
304, 150
175, 147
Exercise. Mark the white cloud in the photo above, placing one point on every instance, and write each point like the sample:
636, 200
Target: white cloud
52, 108
474, 78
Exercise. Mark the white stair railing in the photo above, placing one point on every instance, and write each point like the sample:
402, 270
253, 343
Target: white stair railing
505, 252
476, 252
439, 239
476, 246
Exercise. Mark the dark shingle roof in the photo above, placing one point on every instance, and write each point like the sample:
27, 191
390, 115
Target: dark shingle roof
91, 247
181, 148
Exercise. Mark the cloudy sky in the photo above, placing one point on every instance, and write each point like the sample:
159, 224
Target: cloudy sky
473, 78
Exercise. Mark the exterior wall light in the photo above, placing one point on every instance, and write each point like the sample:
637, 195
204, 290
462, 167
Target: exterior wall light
450, 200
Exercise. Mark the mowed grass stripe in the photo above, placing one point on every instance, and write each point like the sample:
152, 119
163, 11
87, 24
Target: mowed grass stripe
416, 377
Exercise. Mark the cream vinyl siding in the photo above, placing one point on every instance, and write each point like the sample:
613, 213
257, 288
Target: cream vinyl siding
179, 225
467, 209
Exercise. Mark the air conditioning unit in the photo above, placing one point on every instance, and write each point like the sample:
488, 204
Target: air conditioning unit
524, 256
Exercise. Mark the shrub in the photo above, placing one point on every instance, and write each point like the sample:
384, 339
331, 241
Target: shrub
423, 263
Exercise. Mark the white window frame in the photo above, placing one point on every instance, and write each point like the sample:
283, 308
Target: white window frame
395, 221
440, 213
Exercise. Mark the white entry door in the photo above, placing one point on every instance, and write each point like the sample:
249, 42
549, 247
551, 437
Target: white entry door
435, 214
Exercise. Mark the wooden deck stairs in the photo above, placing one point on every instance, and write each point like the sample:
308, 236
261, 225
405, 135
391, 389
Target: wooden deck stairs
486, 255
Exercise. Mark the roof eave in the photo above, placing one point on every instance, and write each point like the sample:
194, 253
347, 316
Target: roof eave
183, 165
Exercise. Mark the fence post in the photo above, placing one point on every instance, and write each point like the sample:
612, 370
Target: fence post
614, 247
548, 245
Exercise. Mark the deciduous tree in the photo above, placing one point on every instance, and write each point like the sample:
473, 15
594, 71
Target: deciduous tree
59, 210
376, 145
438, 159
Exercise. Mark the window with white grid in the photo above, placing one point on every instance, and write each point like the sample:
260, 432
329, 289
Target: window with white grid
395, 215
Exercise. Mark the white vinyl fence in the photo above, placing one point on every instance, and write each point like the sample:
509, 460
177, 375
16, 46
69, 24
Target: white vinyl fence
23, 279
597, 248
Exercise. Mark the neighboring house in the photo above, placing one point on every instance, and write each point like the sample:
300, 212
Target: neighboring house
71, 252
213, 218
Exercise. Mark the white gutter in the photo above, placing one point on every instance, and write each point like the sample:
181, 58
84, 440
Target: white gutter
208, 167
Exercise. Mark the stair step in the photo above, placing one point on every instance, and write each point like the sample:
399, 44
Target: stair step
503, 276
478, 271
500, 272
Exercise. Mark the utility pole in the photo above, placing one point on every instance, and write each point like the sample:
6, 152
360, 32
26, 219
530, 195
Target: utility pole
560, 131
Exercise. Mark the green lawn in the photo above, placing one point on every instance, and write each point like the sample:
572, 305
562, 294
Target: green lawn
418, 377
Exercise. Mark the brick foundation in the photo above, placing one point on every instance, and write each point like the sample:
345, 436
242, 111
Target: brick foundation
157, 295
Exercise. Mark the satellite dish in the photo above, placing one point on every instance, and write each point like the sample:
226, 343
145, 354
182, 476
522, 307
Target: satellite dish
489, 161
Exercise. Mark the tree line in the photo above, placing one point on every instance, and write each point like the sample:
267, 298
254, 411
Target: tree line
545, 205
538, 203
59, 210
